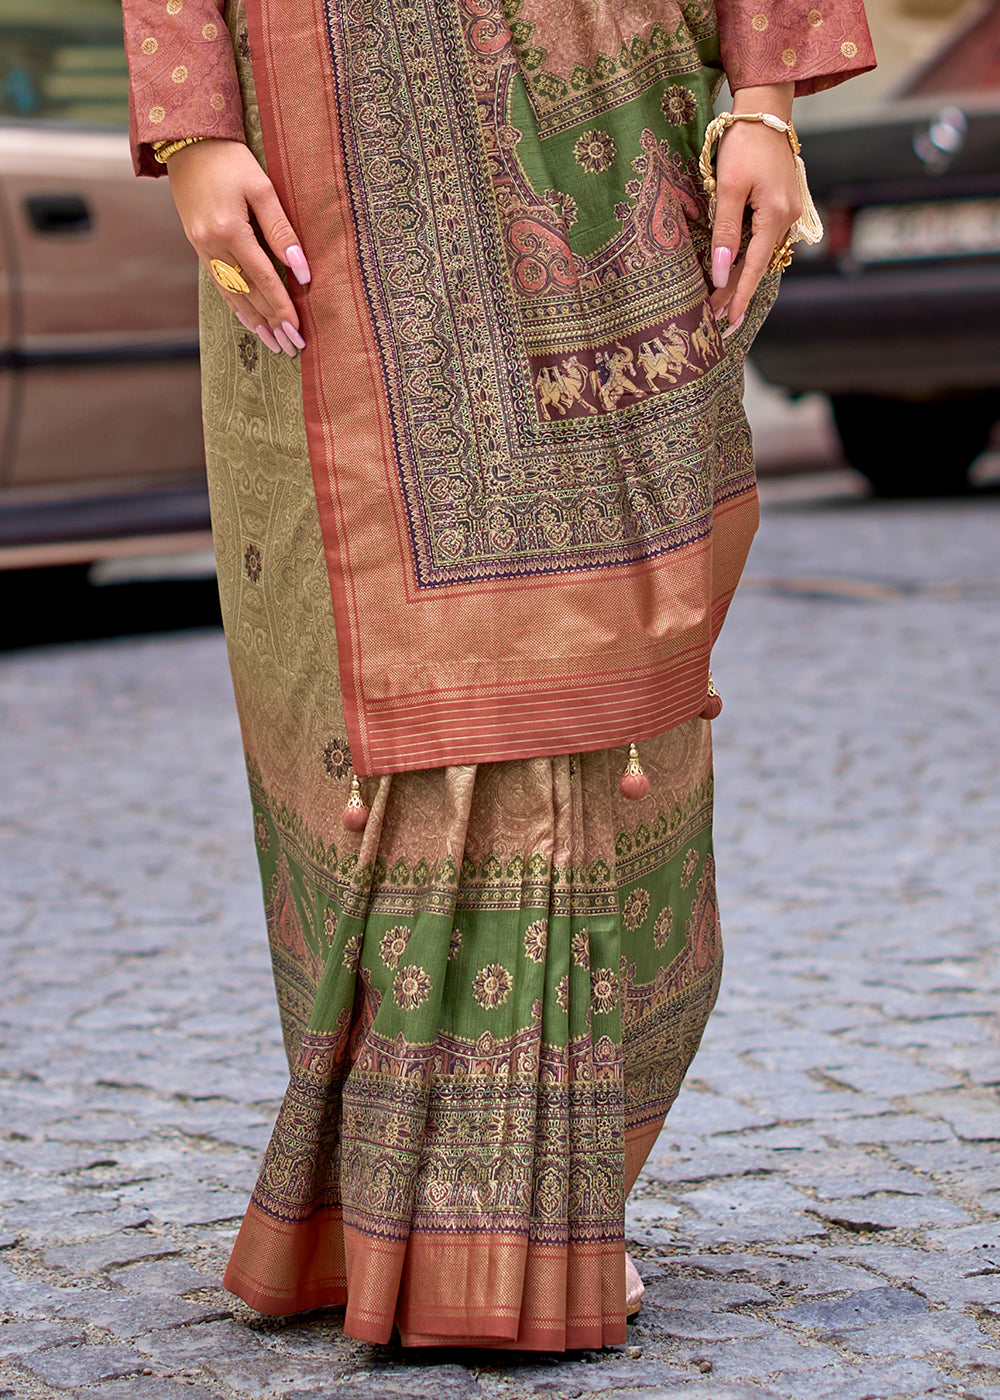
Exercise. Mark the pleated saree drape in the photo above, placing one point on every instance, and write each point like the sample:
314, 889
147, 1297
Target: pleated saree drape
490, 997
489, 1009
495, 514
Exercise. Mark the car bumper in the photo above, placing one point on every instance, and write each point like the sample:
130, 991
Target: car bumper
908, 333
38, 532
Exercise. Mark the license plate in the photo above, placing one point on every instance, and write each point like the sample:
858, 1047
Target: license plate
944, 228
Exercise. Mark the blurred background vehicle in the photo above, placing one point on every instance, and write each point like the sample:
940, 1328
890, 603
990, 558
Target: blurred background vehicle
896, 314
100, 429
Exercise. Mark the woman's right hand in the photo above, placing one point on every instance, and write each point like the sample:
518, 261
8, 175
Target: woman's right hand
217, 186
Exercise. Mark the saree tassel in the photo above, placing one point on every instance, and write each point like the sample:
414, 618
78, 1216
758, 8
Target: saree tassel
713, 705
633, 783
355, 813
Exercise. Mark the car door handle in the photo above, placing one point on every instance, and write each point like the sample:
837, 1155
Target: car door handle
58, 213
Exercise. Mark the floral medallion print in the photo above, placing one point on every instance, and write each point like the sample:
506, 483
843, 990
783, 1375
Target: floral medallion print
410, 988
253, 562
594, 151
329, 925
454, 944
262, 832
690, 867
337, 758
392, 945
636, 909
248, 351
603, 990
351, 958
679, 105
536, 940
581, 947
663, 927
562, 994
492, 986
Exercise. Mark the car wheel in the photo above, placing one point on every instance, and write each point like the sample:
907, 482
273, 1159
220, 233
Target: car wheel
922, 448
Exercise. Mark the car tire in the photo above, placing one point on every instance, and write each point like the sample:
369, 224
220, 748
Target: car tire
922, 448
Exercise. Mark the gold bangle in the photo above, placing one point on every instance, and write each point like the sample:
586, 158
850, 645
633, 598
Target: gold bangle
808, 227
163, 150
718, 127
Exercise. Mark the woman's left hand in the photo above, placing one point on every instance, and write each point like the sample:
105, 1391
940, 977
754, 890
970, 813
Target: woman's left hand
755, 169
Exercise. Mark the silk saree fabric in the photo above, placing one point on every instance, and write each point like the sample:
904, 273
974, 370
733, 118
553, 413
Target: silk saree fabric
494, 514
489, 998
517, 402
482, 1051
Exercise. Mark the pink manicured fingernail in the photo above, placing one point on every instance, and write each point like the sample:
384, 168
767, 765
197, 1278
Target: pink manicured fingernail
283, 341
722, 261
245, 321
268, 338
297, 262
293, 335
733, 326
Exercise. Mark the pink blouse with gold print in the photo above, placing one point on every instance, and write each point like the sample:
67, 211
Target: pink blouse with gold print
813, 45
184, 73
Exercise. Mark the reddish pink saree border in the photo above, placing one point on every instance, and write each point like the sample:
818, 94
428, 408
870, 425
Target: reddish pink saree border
471, 1291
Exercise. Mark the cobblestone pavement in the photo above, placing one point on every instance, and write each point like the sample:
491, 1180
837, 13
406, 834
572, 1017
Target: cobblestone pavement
820, 1217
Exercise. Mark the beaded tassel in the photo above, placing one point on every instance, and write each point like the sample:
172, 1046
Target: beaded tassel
713, 705
355, 813
633, 783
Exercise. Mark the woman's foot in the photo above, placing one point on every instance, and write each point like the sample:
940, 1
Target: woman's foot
634, 1288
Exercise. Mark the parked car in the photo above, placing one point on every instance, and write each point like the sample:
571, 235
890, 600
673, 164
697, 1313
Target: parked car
100, 430
896, 314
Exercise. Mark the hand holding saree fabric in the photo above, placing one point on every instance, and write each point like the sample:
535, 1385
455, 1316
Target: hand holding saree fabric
217, 186
771, 53
756, 170
184, 84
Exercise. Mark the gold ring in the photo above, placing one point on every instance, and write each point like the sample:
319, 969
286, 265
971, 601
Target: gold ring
782, 256
229, 276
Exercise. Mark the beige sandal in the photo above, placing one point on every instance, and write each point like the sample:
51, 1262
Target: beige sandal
634, 1288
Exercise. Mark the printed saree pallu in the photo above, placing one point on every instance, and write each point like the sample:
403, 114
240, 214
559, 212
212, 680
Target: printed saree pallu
510, 487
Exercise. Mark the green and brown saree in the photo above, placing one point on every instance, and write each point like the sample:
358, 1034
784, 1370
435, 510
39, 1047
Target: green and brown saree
497, 514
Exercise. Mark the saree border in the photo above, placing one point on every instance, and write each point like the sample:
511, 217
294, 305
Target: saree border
510, 672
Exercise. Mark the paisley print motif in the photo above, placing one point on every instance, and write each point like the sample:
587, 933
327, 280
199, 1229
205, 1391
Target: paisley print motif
551, 398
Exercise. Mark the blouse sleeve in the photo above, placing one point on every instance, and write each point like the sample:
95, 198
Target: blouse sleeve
182, 75
815, 45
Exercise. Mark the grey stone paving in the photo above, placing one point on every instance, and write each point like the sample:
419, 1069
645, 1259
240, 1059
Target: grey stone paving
820, 1217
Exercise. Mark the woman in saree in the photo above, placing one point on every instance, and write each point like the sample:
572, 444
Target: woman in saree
482, 489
